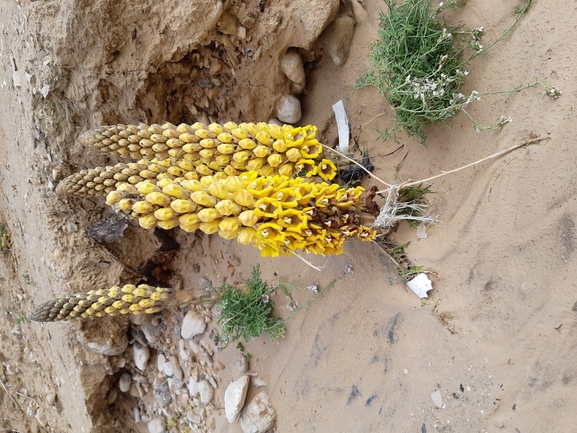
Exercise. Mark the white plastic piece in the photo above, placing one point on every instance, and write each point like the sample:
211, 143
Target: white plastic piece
420, 285
342, 125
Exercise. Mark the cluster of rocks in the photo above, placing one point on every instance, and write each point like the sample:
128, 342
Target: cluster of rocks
165, 374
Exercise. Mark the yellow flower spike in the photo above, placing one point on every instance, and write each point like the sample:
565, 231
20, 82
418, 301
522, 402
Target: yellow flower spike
239, 133
229, 225
246, 236
208, 214
230, 126
204, 170
327, 170
165, 213
189, 219
275, 131
168, 224
192, 185
280, 146
183, 206
275, 160
263, 137
175, 190
142, 207
216, 128
222, 160
219, 191
244, 198
286, 169
228, 207
158, 198
261, 151
268, 207
293, 154
147, 221
294, 220
209, 227
231, 171
255, 164
203, 198
225, 137
248, 218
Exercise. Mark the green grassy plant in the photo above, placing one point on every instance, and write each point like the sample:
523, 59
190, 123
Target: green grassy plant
419, 63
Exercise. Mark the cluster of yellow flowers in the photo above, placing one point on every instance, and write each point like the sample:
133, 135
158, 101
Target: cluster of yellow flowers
116, 300
229, 148
253, 182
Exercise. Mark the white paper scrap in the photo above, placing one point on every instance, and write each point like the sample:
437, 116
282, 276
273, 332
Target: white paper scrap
342, 125
420, 285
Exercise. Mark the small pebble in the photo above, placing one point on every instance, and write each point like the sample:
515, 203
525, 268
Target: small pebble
124, 382
204, 284
141, 355
193, 417
168, 370
176, 370
160, 361
288, 109
437, 399
498, 424
242, 363
136, 414
157, 425
292, 66
162, 394
193, 324
50, 398
206, 391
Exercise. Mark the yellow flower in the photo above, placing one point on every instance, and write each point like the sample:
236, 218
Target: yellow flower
305, 166
293, 154
268, 207
280, 146
244, 198
204, 199
261, 151
231, 171
209, 227
271, 233
229, 225
275, 160
286, 169
248, 218
326, 169
268, 250
293, 220
247, 144
294, 241
242, 156
255, 164
228, 207
246, 236
266, 170
366, 234
209, 214
168, 224
311, 149
219, 191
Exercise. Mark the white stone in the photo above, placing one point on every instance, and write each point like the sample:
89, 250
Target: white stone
437, 399
160, 361
288, 109
157, 425
193, 324
292, 66
193, 387
167, 369
124, 382
234, 398
141, 355
338, 37
206, 391
176, 370
183, 353
259, 416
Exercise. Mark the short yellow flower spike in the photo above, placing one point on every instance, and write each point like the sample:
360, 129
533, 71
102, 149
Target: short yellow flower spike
326, 169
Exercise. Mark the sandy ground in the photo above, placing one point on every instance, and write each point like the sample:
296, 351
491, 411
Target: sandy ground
494, 338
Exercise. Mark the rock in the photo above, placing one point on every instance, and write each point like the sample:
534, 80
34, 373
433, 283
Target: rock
257, 382
104, 344
193, 324
160, 361
227, 24
338, 37
162, 394
292, 66
152, 333
498, 423
176, 370
206, 391
204, 284
193, 387
124, 382
234, 398
309, 25
193, 417
141, 355
288, 109
167, 369
437, 399
259, 416
157, 425
50, 398
242, 363
275, 121
183, 353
